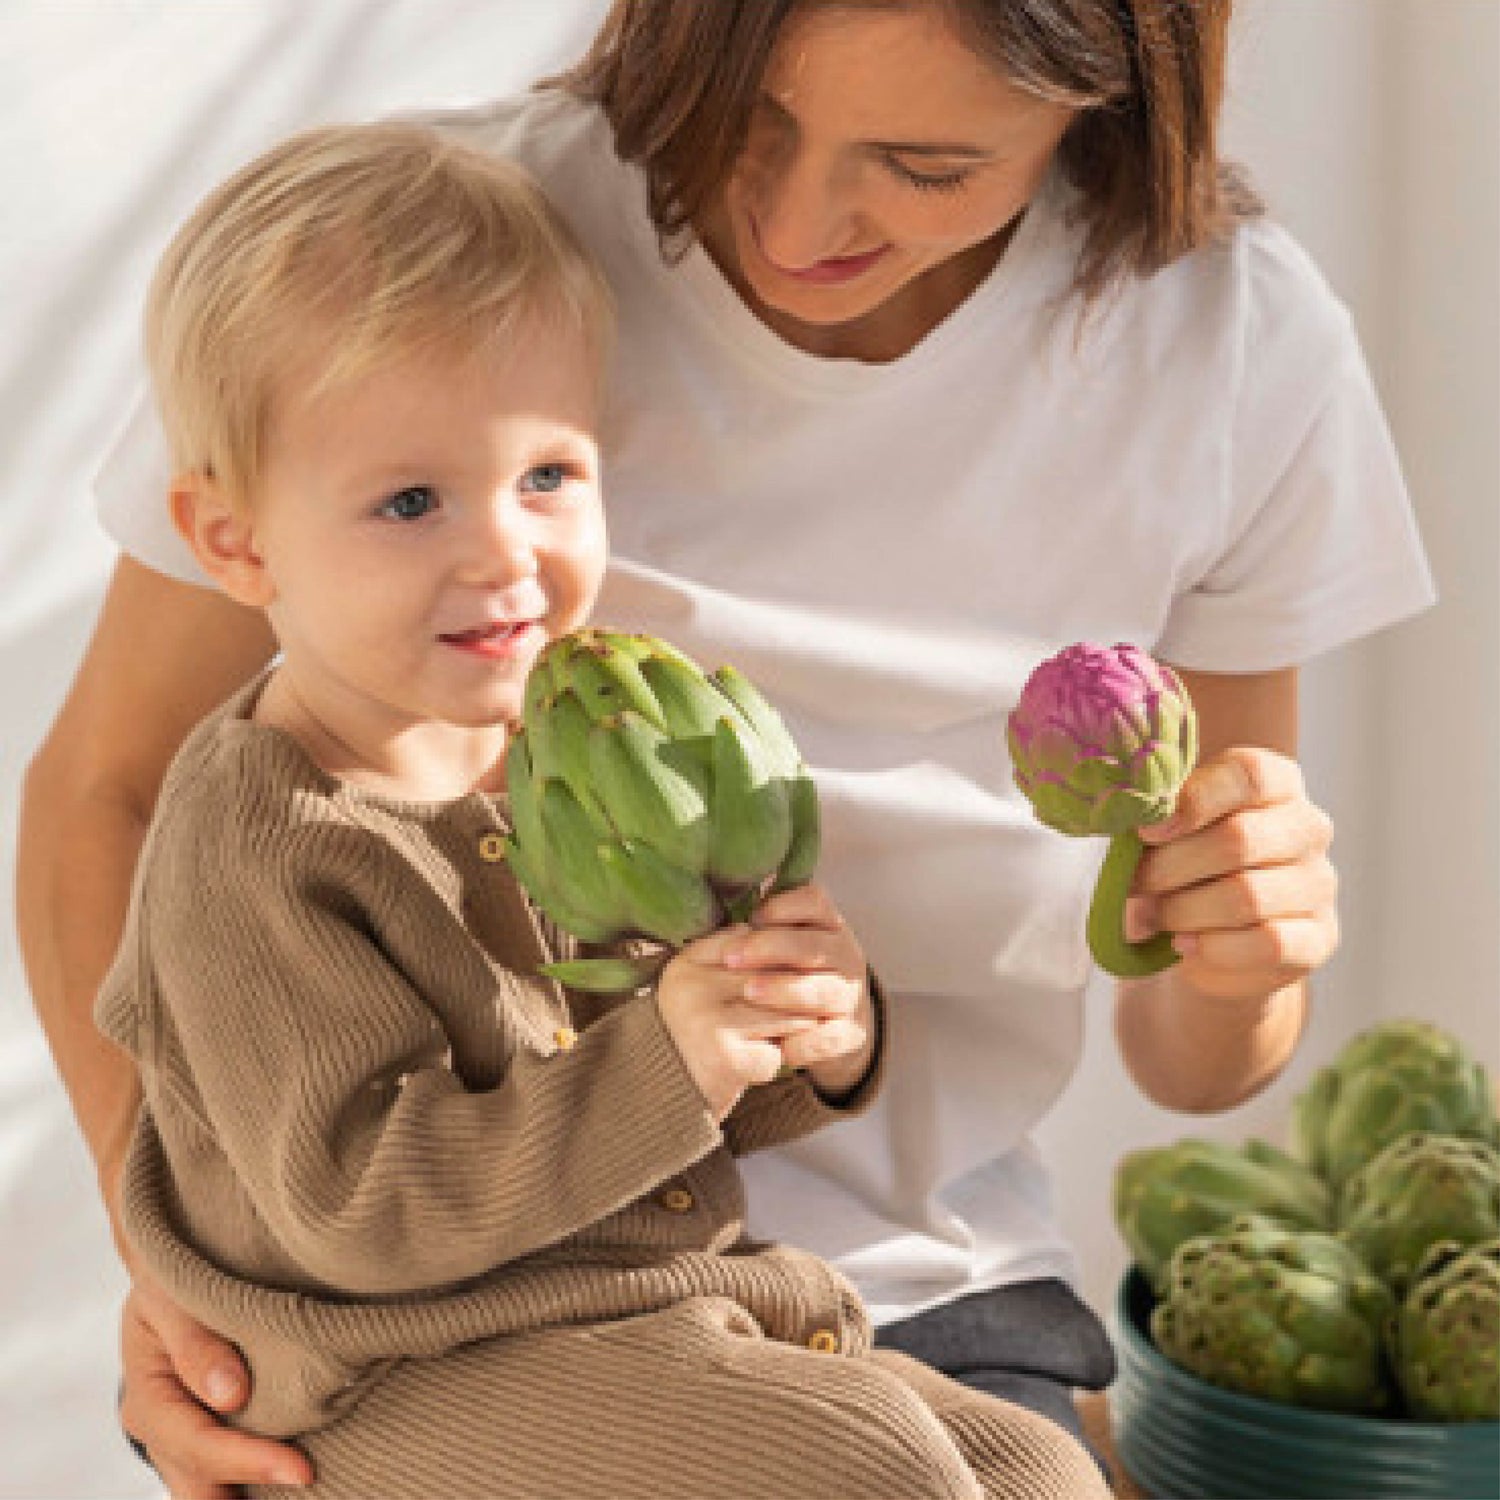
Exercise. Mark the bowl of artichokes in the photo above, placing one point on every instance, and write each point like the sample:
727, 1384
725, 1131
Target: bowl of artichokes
1322, 1321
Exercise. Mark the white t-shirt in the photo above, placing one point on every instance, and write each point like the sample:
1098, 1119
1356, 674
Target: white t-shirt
887, 550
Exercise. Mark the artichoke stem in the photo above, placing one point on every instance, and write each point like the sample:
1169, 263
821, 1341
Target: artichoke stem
1106, 924
737, 908
606, 976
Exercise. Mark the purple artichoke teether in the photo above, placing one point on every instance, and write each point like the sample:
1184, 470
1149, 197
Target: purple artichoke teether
1102, 739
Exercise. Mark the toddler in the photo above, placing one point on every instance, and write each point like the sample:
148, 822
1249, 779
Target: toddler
476, 1235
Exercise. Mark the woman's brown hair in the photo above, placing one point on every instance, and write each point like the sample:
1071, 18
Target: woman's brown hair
678, 78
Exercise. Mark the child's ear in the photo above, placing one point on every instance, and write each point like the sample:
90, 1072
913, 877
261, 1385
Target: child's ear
222, 538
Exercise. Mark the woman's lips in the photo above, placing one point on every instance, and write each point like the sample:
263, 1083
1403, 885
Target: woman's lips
833, 271
839, 269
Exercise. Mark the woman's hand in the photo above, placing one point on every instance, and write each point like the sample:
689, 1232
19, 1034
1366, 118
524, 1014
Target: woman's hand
177, 1374
1240, 876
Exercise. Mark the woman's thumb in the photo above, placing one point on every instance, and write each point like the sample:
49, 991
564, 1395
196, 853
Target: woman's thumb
206, 1364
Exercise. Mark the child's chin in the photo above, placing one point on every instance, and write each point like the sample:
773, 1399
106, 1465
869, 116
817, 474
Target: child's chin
487, 710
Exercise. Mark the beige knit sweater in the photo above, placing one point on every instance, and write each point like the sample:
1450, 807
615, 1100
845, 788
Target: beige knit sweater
370, 1132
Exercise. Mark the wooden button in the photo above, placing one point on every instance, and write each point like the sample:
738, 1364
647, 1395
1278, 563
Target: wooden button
492, 848
677, 1200
824, 1341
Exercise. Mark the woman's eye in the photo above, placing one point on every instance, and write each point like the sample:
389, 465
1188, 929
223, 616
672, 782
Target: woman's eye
544, 479
410, 504
928, 182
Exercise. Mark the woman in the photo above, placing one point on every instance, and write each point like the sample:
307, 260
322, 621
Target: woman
965, 345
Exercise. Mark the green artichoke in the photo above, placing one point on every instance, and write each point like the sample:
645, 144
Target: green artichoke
1398, 1077
1101, 741
1420, 1190
1169, 1194
1445, 1340
1291, 1315
649, 800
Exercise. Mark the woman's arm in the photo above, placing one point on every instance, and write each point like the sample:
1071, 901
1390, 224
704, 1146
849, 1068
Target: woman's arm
163, 654
1241, 875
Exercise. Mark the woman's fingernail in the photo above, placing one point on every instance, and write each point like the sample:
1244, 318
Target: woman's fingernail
292, 1478
1184, 943
223, 1388
1156, 833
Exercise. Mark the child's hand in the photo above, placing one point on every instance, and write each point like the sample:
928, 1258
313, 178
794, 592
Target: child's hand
801, 956
726, 1043
788, 989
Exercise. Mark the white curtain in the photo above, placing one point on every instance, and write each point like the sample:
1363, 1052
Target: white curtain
1372, 127
115, 117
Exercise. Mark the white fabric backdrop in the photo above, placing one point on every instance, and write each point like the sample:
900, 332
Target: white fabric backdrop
115, 116
1371, 122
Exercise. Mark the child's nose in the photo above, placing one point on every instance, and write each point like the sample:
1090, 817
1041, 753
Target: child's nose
496, 550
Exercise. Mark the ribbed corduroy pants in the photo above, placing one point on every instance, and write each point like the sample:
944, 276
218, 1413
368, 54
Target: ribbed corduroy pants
693, 1402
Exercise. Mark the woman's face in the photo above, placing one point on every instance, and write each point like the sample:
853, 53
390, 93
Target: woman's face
884, 159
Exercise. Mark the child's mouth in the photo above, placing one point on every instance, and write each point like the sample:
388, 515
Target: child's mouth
495, 639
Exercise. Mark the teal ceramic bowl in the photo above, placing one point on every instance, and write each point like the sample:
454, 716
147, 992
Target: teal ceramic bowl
1184, 1439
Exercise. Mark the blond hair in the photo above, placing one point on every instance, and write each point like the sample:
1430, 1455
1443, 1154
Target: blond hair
346, 245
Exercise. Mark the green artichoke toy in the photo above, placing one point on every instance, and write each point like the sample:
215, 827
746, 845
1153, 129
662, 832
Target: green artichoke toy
1445, 1340
1169, 1194
649, 800
1418, 1191
1395, 1078
1289, 1315
1102, 739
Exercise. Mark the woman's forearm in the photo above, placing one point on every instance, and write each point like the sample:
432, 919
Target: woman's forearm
1200, 1054
76, 852
162, 655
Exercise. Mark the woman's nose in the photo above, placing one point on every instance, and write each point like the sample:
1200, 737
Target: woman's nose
801, 210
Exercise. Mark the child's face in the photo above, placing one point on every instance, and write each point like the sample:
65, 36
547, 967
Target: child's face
425, 530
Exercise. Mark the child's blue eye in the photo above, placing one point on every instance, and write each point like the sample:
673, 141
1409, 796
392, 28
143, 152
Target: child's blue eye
545, 478
410, 504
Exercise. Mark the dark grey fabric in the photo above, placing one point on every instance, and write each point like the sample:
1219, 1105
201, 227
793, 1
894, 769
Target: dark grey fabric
1032, 1343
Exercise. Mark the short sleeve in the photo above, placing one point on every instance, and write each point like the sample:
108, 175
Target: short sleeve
1321, 546
130, 494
